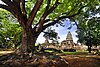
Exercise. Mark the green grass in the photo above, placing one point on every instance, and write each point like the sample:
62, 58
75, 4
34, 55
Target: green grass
76, 53
49, 51
69, 53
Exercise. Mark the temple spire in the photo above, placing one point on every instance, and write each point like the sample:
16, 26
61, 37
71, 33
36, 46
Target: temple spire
69, 36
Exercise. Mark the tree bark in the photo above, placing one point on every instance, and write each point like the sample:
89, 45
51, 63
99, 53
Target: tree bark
28, 40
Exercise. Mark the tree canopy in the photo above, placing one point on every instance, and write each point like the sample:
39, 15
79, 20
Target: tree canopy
34, 16
51, 34
89, 26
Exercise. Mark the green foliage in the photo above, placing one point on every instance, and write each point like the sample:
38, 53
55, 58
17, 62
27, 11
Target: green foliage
89, 26
29, 5
10, 33
51, 34
76, 53
67, 7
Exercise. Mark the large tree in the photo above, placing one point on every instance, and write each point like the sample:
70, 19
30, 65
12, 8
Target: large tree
89, 27
51, 34
34, 16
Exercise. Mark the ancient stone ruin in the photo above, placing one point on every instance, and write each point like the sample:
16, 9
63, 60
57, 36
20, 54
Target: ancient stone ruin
65, 44
68, 43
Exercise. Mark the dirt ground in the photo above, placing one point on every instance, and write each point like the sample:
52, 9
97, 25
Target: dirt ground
83, 60
74, 60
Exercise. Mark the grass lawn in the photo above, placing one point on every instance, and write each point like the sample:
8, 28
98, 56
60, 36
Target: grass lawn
76, 53
68, 53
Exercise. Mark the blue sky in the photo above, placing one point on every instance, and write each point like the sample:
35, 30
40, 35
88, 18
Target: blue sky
62, 32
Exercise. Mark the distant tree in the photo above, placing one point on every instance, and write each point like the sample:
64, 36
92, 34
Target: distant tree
34, 16
89, 27
10, 32
51, 35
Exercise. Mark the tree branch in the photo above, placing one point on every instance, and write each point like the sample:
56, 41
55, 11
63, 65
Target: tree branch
53, 7
7, 8
23, 11
48, 4
42, 19
46, 13
8, 2
17, 3
18, 7
78, 12
23, 7
63, 17
55, 21
75, 22
12, 7
73, 8
34, 12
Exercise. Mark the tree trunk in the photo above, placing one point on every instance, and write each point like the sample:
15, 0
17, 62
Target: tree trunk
28, 41
89, 49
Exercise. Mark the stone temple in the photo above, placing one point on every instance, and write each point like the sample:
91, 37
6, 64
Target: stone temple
68, 43
65, 44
